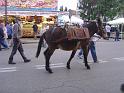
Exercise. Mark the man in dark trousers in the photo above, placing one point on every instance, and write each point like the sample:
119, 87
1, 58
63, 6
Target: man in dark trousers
35, 29
1, 36
17, 45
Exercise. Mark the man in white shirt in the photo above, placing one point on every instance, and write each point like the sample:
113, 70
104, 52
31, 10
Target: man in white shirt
108, 29
92, 48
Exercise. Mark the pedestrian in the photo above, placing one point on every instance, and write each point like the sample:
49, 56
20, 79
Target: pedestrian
92, 49
2, 39
35, 30
17, 45
108, 29
3, 36
117, 33
9, 33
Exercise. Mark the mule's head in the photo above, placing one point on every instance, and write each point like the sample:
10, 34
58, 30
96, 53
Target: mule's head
101, 30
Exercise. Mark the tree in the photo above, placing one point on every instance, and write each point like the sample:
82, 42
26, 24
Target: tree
107, 9
86, 9
121, 8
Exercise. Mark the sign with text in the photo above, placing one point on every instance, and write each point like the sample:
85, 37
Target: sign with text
29, 5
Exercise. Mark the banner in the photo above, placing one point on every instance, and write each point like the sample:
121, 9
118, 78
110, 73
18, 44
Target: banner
29, 5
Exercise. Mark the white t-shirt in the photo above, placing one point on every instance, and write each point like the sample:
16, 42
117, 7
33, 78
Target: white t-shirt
95, 37
107, 28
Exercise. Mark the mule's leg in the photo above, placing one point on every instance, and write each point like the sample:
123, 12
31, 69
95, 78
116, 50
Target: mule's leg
85, 53
48, 53
72, 55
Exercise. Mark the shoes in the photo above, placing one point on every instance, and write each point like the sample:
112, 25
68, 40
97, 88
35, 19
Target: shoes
11, 63
27, 60
80, 56
96, 61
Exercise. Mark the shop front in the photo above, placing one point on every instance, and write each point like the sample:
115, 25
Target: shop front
43, 12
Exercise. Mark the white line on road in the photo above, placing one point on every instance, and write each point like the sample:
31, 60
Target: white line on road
52, 66
120, 58
103, 61
8, 69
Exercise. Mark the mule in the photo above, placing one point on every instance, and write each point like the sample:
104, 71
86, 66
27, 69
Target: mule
55, 39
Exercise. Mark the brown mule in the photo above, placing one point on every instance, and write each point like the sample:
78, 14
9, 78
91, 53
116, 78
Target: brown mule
58, 38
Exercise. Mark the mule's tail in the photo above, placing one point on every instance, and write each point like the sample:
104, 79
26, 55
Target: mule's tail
39, 45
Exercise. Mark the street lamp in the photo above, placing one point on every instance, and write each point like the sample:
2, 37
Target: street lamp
5, 12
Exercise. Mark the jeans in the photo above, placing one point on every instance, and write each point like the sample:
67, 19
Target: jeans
92, 50
3, 43
117, 36
80, 52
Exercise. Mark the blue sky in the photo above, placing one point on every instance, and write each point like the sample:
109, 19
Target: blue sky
70, 4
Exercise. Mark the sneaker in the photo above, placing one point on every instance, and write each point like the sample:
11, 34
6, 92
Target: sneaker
27, 60
11, 63
80, 56
96, 61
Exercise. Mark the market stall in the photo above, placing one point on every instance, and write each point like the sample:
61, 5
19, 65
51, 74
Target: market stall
118, 22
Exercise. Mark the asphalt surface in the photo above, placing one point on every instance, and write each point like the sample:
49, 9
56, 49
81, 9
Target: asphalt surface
104, 77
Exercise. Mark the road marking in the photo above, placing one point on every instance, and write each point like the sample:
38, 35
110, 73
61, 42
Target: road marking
58, 65
103, 61
91, 62
52, 66
119, 58
8, 69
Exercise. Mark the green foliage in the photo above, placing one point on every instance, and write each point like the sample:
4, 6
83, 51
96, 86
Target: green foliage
90, 9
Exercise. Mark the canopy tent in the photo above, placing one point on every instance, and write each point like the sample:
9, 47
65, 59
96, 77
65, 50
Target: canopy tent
116, 21
119, 21
74, 19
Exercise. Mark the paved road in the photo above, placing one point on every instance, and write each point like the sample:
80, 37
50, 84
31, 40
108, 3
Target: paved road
104, 77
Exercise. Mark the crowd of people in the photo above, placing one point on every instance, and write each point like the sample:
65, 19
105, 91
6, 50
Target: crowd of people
5, 33
110, 29
10, 36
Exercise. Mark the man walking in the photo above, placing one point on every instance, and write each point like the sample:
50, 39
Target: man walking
108, 30
17, 45
92, 48
35, 30
2, 37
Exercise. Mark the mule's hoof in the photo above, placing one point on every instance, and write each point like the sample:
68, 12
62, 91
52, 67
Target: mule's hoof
88, 67
68, 67
122, 87
49, 70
